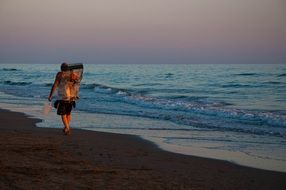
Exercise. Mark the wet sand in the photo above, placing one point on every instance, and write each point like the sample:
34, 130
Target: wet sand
37, 158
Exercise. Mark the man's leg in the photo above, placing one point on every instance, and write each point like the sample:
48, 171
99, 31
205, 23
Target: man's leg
66, 123
69, 118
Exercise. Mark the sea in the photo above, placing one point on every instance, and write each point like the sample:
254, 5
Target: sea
232, 112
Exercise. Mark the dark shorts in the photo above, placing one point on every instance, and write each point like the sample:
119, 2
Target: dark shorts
64, 107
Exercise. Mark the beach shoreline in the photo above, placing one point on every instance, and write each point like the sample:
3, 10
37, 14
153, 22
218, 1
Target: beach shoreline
44, 158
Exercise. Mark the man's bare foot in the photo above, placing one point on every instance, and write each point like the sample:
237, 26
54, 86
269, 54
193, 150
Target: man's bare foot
66, 131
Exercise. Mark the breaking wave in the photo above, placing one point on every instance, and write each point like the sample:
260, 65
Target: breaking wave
8, 82
282, 75
9, 69
194, 111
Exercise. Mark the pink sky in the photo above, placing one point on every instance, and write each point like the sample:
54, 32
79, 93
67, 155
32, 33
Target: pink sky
149, 31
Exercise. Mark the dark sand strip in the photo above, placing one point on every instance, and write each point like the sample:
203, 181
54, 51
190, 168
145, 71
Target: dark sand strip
36, 158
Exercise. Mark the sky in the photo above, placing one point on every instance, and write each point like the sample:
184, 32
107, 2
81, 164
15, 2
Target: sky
143, 31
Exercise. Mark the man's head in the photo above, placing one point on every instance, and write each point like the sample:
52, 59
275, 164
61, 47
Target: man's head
64, 66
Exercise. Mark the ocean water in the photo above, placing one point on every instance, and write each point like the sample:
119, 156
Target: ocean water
230, 112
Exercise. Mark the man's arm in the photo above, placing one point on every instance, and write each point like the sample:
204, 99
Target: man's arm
55, 85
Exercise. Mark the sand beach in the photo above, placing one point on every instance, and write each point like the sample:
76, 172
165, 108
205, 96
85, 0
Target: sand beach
37, 158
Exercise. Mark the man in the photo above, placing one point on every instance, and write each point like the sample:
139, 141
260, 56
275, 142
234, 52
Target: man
65, 82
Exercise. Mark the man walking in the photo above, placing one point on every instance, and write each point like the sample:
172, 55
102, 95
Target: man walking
67, 82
